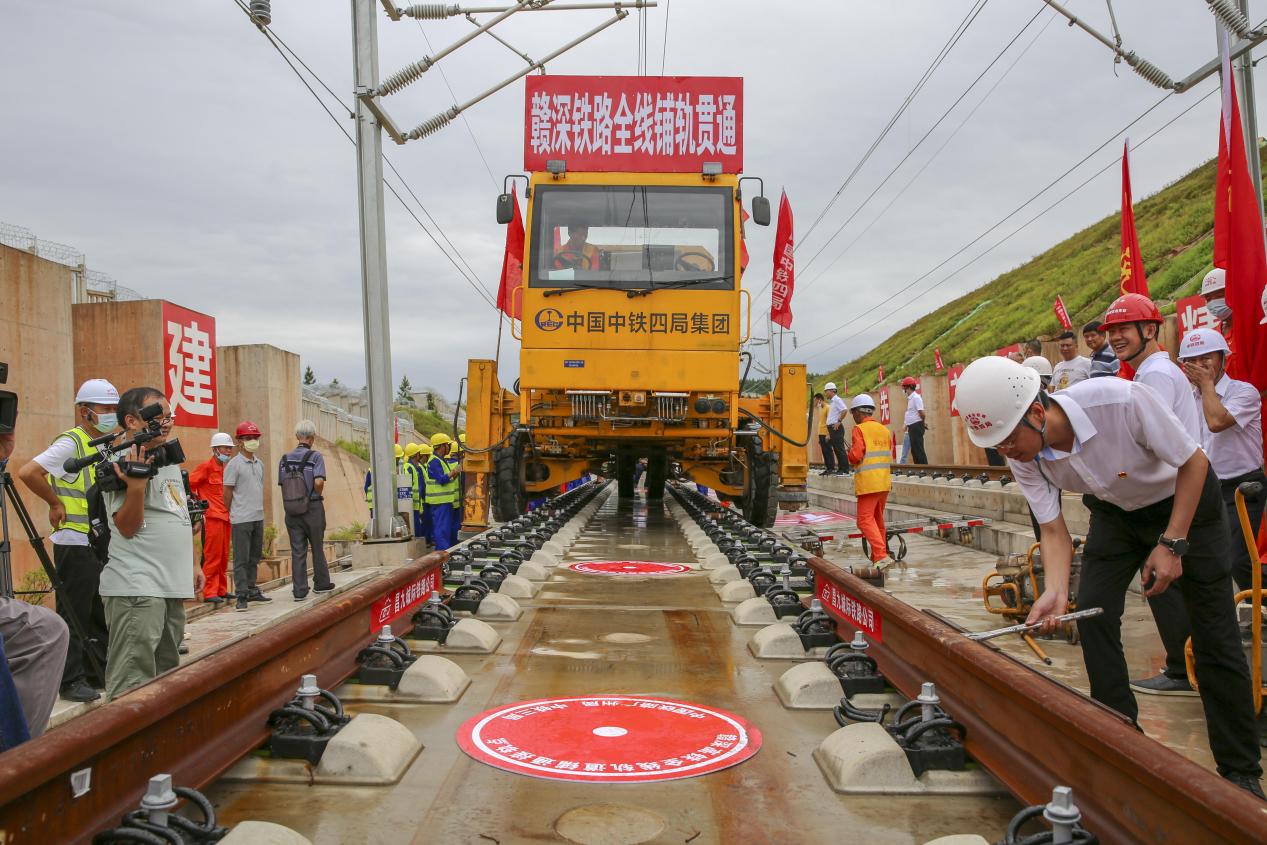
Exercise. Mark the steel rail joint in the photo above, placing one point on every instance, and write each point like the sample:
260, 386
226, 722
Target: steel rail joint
193, 722
1033, 732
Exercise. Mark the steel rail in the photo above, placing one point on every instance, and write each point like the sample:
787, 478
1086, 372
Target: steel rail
1033, 732
957, 470
193, 722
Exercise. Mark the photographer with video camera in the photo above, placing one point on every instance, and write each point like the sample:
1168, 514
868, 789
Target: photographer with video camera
77, 564
151, 570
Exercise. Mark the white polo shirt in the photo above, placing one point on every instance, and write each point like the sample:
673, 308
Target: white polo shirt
836, 410
1164, 376
1239, 449
914, 404
1127, 449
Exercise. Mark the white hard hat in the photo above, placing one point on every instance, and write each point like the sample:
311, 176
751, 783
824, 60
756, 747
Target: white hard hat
1215, 280
993, 395
831, 385
1263, 303
862, 400
221, 438
1200, 341
1039, 364
97, 391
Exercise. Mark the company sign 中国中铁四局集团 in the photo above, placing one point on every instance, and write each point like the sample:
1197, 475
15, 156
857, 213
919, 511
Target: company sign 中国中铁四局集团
634, 322
644, 124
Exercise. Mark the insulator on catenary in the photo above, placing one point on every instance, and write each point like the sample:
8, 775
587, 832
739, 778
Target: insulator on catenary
401, 78
1150, 71
430, 11
262, 12
1230, 15
430, 127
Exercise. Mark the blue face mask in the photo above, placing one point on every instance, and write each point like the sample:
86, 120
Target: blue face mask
224, 459
1218, 310
106, 422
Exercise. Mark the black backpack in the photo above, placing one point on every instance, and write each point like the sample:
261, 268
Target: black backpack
295, 494
98, 524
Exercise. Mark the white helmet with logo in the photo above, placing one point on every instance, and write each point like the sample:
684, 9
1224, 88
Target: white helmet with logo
1214, 281
1200, 341
1039, 364
1263, 303
221, 438
862, 400
992, 395
97, 391
831, 385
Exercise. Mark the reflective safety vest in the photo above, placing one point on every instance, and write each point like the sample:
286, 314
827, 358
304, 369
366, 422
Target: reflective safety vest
442, 493
415, 474
369, 489
74, 494
872, 475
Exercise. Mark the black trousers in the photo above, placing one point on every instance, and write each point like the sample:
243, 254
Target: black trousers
1118, 543
305, 530
837, 436
829, 457
80, 573
916, 431
248, 547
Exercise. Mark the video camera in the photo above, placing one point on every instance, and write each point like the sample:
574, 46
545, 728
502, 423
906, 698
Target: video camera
166, 455
196, 507
8, 403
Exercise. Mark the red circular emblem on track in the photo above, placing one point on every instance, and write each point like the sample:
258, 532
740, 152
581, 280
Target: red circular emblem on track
629, 567
609, 739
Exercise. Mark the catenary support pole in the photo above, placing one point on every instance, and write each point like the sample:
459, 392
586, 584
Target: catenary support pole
369, 178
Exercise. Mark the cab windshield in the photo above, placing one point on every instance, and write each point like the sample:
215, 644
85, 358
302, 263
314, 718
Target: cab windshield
629, 237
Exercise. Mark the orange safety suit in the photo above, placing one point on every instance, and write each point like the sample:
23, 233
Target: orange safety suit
870, 452
207, 482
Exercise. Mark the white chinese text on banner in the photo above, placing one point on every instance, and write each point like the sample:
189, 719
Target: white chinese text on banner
189, 365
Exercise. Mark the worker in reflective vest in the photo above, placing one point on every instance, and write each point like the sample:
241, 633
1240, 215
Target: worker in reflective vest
411, 469
870, 452
442, 492
422, 514
399, 453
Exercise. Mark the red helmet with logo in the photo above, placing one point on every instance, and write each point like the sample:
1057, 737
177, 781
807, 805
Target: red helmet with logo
248, 429
910, 381
1131, 308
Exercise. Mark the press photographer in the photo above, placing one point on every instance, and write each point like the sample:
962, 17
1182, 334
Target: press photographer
78, 567
151, 569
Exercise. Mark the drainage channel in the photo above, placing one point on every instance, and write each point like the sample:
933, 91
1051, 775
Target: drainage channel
637, 713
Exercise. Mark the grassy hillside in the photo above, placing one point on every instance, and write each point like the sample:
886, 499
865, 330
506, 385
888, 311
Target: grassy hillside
1175, 229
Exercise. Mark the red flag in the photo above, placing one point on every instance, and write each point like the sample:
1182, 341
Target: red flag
937, 359
512, 266
784, 280
1242, 240
1062, 314
1131, 264
879, 374
743, 241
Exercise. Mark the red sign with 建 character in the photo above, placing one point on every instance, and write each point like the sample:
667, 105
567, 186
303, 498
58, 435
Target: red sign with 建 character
647, 124
952, 380
189, 371
847, 607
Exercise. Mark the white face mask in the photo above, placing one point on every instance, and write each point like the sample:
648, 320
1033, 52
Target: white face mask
250, 445
1218, 309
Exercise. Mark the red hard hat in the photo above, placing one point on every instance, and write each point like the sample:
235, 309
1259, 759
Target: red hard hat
910, 381
248, 429
1131, 308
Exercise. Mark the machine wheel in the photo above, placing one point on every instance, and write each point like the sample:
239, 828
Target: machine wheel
657, 473
625, 475
509, 500
761, 486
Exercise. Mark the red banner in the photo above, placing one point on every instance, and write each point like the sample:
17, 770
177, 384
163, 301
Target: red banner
883, 398
784, 280
1062, 314
1193, 314
952, 380
879, 374
846, 607
1131, 263
937, 359
403, 600
512, 266
189, 374
646, 124
1008, 350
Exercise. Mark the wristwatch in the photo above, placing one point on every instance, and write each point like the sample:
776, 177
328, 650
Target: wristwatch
1177, 546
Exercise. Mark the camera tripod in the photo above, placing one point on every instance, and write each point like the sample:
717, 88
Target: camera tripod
9, 494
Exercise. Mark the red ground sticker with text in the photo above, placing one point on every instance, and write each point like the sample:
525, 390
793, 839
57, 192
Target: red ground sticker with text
629, 567
610, 739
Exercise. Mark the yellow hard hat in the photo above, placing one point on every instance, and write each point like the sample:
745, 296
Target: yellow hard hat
439, 439
400, 453
462, 438
424, 448
412, 449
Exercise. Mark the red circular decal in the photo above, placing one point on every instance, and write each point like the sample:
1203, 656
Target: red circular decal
610, 739
629, 567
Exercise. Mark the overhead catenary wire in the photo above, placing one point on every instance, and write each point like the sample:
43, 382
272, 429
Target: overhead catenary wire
664, 48
471, 131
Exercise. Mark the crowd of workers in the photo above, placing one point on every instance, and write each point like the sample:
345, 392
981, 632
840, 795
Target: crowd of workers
434, 475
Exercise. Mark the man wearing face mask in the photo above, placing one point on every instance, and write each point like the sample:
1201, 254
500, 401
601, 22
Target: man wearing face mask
207, 482
77, 564
244, 499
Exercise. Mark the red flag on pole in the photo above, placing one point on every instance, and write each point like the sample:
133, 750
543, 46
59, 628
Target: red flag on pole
1239, 239
743, 241
784, 280
937, 359
1062, 314
879, 374
1131, 265
512, 266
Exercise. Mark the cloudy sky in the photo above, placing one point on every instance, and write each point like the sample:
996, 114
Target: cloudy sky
171, 144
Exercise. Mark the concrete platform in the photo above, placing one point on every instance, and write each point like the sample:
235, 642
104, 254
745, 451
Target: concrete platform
863, 758
468, 636
431, 679
371, 750
263, 833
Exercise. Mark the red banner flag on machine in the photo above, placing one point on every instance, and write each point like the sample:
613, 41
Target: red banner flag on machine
512, 266
784, 280
645, 124
1131, 264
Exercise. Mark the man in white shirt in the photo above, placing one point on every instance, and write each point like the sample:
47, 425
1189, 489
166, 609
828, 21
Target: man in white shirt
1154, 501
1233, 435
1072, 367
1132, 324
913, 419
836, 410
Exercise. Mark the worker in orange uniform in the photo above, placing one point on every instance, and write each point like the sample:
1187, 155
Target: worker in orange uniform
207, 482
870, 452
